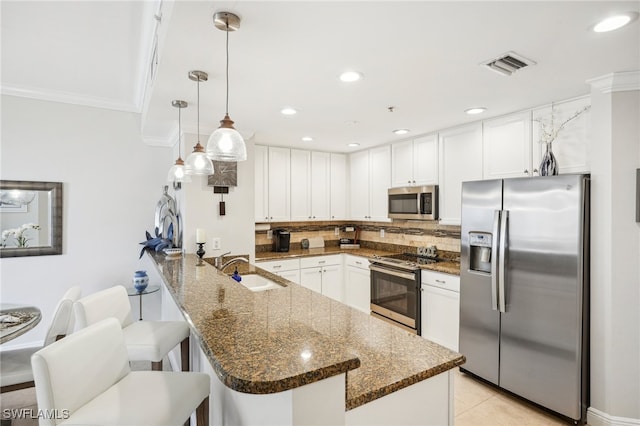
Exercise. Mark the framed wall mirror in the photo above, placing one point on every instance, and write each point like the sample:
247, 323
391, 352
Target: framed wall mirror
30, 218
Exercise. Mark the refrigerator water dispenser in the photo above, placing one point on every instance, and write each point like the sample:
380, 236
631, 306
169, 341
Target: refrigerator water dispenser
480, 251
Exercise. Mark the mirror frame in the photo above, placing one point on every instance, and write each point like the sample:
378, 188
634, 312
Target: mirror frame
55, 213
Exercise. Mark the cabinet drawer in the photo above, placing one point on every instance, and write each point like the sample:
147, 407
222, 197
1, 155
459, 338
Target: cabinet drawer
312, 262
357, 261
438, 279
279, 265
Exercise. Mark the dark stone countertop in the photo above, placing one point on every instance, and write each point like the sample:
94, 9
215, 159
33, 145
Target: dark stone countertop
254, 340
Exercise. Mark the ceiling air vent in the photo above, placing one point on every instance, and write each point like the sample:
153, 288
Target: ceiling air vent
508, 63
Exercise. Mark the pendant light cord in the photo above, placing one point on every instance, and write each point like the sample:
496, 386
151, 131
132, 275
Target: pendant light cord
180, 133
198, 109
227, 104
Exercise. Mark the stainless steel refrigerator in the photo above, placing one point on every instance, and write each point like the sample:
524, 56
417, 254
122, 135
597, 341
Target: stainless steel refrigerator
524, 288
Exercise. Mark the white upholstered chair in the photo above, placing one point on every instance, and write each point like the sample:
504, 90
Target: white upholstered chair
145, 340
85, 379
15, 365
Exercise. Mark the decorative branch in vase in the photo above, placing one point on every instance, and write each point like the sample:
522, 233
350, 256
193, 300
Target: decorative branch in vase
549, 133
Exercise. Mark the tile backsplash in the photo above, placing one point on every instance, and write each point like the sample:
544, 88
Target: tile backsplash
403, 233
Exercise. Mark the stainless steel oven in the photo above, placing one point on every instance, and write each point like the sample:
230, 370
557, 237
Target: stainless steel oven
395, 292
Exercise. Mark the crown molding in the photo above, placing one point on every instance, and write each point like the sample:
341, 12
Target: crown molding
70, 98
617, 82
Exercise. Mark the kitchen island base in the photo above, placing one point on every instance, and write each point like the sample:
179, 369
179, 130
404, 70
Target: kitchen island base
428, 402
321, 403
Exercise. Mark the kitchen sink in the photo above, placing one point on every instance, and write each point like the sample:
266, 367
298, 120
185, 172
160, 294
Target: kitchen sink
256, 282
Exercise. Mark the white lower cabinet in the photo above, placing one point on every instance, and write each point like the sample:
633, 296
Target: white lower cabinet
440, 301
287, 268
323, 274
326, 275
357, 283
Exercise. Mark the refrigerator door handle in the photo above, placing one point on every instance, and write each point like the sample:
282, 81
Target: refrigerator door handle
502, 295
495, 260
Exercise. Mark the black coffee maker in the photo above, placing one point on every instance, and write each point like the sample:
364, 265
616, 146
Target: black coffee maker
281, 239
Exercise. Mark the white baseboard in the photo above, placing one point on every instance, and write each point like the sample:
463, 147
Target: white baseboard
599, 418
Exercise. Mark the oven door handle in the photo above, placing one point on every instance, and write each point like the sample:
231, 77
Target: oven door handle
398, 274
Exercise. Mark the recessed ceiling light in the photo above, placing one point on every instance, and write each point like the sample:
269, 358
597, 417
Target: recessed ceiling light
475, 110
612, 23
401, 131
350, 76
288, 111
307, 139
353, 144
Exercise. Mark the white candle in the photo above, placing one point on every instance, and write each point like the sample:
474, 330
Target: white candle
201, 235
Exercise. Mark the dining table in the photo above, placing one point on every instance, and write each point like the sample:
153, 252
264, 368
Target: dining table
16, 319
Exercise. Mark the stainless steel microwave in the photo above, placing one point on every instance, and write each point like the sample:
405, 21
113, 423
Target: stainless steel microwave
414, 202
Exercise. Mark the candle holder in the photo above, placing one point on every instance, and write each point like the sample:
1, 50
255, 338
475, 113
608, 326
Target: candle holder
200, 253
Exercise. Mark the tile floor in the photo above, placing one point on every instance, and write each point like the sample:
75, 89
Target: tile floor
476, 404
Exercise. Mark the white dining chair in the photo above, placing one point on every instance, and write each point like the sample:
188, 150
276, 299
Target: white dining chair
145, 340
15, 364
85, 379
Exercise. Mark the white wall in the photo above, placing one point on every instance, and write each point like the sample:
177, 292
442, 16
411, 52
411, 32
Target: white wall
200, 208
615, 251
112, 182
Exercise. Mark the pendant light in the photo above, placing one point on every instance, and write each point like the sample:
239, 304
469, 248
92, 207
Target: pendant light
177, 173
226, 143
197, 162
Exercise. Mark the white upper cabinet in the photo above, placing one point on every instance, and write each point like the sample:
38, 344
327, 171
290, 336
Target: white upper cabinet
309, 185
320, 185
460, 160
507, 146
338, 186
359, 171
261, 187
272, 184
415, 162
294, 184
279, 184
571, 146
300, 185
370, 179
380, 178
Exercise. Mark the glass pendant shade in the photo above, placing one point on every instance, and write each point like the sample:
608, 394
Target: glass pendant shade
198, 163
226, 143
178, 173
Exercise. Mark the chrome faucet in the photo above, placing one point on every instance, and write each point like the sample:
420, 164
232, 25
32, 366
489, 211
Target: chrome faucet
234, 260
217, 261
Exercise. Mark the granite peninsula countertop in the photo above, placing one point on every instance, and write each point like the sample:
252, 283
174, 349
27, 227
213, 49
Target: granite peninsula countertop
448, 266
275, 340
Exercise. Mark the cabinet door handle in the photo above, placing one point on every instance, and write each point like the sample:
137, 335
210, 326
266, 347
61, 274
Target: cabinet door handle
358, 263
441, 281
322, 261
526, 172
277, 266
